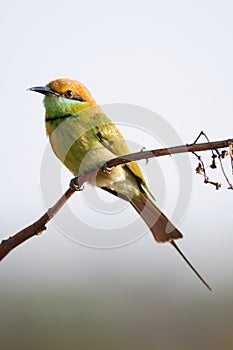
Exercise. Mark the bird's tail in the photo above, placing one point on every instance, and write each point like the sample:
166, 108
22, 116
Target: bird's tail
162, 229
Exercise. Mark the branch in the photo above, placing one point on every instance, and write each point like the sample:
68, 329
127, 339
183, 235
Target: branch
6, 246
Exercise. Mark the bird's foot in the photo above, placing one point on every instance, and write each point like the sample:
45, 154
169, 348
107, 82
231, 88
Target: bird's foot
106, 169
75, 186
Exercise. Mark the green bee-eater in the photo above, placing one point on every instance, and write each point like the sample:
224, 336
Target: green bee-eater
84, 139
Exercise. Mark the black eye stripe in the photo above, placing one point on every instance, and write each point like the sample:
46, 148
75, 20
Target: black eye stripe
78, 98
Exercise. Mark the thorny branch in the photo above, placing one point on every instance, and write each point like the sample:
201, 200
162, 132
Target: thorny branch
6, 246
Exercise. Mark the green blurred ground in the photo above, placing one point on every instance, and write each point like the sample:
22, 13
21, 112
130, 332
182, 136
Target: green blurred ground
120, 318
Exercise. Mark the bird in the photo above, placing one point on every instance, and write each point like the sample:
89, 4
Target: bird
84, 139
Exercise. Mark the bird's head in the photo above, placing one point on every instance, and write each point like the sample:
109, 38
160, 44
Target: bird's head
65, 96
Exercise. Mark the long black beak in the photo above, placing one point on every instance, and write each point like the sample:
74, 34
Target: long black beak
44, 90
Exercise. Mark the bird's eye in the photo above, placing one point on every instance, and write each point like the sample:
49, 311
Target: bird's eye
68, 94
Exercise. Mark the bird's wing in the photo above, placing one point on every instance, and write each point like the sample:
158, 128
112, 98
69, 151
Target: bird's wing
110, 137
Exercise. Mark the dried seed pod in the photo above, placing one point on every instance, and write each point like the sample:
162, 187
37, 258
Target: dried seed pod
213, 164
224, 154
199, 170
218, 185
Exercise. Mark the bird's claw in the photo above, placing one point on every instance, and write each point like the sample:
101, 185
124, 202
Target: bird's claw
106, 169
74, 185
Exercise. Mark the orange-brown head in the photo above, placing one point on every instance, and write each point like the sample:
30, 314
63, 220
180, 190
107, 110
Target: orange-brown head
64, 97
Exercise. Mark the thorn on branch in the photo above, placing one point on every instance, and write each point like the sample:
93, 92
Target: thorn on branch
5, 241
147, 159
40, 230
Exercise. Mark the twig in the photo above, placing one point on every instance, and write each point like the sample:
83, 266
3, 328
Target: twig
201, 169
39, 226
220, 156
231, 155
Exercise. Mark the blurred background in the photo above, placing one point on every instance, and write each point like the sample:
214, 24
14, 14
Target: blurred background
174, 58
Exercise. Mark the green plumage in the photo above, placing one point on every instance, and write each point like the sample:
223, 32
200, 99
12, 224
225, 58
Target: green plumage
84, 139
